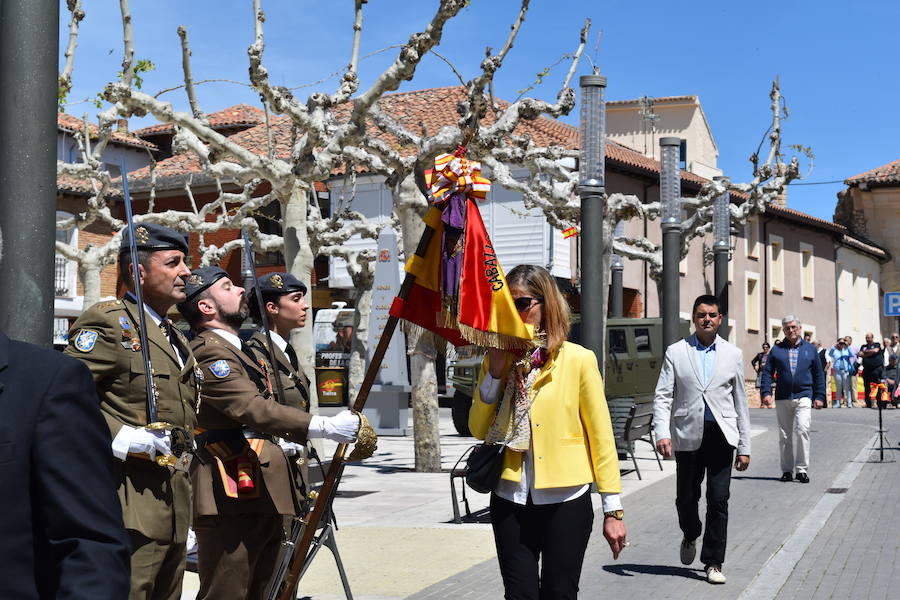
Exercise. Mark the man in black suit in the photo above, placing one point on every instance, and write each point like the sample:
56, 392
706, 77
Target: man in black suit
61, 531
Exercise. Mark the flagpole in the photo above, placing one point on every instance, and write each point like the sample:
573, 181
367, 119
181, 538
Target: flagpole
332, 478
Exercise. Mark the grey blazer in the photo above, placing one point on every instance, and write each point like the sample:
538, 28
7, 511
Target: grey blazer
680, 393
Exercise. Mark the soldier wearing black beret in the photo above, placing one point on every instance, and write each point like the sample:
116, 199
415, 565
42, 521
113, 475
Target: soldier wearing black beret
155, 499
244, 486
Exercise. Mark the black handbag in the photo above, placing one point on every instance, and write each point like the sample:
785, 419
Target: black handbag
483, 467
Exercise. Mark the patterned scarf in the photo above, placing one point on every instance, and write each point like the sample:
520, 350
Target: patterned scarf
512, 424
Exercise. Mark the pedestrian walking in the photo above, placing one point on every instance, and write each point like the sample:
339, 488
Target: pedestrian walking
843, 368
759, 361
62, 531
873, 366
243, 484
553, 419
700, 413
800, 382
155, 499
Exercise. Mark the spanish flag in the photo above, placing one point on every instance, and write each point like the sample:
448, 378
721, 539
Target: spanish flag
481, 311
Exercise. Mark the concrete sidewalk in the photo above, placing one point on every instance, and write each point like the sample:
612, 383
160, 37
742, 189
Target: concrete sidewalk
397, 539
396, 533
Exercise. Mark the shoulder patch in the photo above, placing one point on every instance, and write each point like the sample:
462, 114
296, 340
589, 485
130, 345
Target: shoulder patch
220, 368
86, 340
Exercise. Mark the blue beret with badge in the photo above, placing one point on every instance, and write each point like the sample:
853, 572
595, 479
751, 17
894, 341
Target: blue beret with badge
153, 237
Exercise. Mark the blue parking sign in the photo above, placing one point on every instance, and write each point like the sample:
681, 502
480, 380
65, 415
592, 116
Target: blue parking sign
892, 304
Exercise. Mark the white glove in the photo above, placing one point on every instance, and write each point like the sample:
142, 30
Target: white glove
290, 448
141, 440
341, 428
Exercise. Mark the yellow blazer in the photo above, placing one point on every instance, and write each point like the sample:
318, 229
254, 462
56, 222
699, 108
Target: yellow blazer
571, 432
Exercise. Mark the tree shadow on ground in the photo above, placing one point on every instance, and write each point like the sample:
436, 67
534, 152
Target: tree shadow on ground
630, 569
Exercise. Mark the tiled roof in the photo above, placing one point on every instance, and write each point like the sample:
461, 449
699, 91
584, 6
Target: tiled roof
432, 108
233, 116
802, 217
71, 124
660, 100
76, 186
883, 175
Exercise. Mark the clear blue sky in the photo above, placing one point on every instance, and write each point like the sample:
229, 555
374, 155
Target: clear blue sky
835, 62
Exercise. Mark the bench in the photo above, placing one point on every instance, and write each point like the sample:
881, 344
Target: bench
632, 421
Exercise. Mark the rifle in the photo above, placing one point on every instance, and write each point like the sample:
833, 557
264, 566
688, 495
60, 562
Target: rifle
181, 441
284, 590
263, 315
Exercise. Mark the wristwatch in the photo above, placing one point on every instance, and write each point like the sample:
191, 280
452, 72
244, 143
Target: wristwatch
615, 514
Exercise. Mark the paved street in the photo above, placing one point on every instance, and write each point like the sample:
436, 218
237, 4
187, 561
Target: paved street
786, 540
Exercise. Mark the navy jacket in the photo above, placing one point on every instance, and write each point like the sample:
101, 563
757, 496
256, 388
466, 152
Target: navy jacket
61, 531
808, 380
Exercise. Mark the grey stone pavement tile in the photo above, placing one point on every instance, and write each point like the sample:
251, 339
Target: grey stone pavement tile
854, 554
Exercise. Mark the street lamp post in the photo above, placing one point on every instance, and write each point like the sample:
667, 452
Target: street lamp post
29, 85
593, 196
721, 250
616, 308
670, 198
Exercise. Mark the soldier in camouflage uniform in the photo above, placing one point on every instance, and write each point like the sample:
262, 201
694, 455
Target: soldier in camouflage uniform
156, 500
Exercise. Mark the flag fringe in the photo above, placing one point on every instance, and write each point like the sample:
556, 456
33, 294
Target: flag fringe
487, 339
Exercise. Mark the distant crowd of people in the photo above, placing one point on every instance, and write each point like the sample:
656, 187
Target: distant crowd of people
877, 364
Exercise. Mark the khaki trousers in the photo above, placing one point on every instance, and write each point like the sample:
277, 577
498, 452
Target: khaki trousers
237, 554
157, 568
794, 417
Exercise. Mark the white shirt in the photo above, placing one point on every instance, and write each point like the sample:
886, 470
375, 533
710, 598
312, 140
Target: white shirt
518, 491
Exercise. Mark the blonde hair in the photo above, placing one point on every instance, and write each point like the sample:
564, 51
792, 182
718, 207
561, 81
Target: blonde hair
556, 314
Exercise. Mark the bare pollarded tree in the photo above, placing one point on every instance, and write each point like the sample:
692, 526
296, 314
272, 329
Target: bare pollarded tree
329, 130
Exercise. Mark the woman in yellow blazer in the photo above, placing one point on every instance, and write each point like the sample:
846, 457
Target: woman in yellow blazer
549, 409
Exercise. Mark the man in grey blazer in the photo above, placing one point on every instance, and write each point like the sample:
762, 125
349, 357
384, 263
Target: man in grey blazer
700, 412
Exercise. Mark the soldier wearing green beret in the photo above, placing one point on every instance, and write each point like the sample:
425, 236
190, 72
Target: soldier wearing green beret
155, 499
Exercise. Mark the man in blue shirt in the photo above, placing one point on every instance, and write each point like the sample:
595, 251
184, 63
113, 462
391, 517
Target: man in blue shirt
801, 381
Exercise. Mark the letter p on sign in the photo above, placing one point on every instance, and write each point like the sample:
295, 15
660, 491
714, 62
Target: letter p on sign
892, 304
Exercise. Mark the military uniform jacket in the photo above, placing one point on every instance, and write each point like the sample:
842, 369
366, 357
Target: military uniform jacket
296, 393
235, 396
156, 501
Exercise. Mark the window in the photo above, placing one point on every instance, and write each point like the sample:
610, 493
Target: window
807, 275
617, 344
642, 339
732, 331
809, 329
64, 280
683, 266
776, 263
774, 330
113, 169
751, 302
269, 220
751, 237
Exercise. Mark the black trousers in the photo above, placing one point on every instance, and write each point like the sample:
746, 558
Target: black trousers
557, 534
712, 459
871, 376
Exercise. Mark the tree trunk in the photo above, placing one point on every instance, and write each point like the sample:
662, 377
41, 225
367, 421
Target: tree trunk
89, 274
298, 260
410, 206
363, 277
426, 417
607, 233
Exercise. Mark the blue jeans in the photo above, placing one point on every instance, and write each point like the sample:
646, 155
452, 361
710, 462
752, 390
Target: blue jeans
843, 383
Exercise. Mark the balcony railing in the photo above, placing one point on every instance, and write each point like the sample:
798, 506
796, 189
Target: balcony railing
61, 278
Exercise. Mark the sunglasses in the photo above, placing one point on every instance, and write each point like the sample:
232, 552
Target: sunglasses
526, 302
